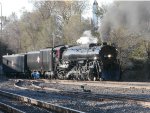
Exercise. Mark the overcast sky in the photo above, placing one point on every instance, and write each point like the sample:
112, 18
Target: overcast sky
9, 6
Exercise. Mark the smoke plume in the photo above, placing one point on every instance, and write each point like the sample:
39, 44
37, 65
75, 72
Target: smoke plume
131, 15
87, 38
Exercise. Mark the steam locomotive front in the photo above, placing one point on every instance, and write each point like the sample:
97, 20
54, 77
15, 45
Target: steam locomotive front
110, 65
108, 54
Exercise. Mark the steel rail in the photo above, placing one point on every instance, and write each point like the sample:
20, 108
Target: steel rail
48, 106
9, 109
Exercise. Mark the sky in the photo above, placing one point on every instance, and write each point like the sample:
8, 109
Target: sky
9, 6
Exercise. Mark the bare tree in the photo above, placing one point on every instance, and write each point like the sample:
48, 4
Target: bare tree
11, 33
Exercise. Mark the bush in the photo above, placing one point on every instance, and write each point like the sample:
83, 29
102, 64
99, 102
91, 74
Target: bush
139, 72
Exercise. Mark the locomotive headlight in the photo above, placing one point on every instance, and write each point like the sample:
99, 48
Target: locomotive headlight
95, 58
109, 56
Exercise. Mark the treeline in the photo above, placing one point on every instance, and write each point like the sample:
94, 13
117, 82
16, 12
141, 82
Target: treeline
50, 20
62, 22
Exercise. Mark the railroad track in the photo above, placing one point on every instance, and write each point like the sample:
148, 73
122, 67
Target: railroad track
113, 84
145, 102
14, 103
138, 85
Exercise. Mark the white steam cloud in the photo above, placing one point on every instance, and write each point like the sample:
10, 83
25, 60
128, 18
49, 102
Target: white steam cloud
87, 38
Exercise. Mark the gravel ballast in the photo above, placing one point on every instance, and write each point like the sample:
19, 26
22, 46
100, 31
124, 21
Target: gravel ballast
82, 104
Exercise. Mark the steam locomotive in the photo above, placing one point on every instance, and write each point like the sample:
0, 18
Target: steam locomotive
80, 62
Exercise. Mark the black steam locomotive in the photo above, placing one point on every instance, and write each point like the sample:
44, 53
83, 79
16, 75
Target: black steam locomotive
81, 62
